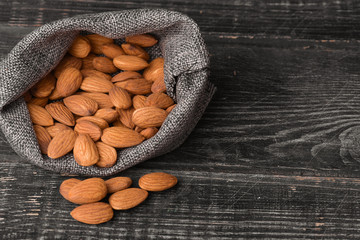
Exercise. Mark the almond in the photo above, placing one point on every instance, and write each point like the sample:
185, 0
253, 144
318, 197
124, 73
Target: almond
55, 95
107, 155
149, 132
117, 184
120, 98
97, 41
104, 64
61, 144
44, 87
43, 138
160, 100
155, 70
149, 117
125, 117
39, 115
39, 101
87, 62
67, 62
102, 99
120, 137
94, 73
56, 128
130, 63
66, 186
127, 198
69, 82
87, 127
138, 129
81, 105
117, 123
93, 213
136, 86
135, 50
123, 76
139, 101
27, 96
98, 121
143, 40
85, 151
61, 113
169, 109
108, 114
80, 47
158, 86
112, 50
96, 84
88, 191
157, 181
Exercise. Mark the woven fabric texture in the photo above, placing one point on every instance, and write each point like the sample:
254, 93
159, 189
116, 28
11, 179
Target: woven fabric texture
185, 69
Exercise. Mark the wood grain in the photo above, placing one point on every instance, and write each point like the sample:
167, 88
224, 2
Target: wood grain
275, 155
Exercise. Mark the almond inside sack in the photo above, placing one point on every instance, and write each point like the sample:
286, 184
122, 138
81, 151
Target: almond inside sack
185, 75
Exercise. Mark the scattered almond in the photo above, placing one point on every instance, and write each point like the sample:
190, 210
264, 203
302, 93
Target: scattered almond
121, 137
157, 181
149, 117
130, 63
81, 105
112, 50
96, 84
61, 113
93, 213
66, 186
88, 191
69, 81
61, 144
143, 40
128, 198
117, 184
87, 127
120, 98
104, 64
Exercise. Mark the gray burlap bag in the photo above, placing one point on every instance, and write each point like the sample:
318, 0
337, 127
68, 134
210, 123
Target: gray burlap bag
186, 63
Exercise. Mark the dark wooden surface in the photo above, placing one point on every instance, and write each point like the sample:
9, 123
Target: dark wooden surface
275, 156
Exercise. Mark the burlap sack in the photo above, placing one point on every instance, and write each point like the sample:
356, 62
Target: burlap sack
186, 63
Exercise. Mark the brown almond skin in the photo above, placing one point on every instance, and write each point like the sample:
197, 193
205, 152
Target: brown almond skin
104, 64
139, 101
127, 198
158, 86
56, 128
80, 47
135, 50
149, 117
39, 115
55, 95
69, 82
108, 114
112, 50
61, 144
87, 62
87, 127
39, 101
88, 191
117, 184
125, 117
169, 109
102, 99
143, 40
160, 100
67, 62
93, 213
117, 123
81, 105
97, 41
149, 132
107, 155
43, 138
66, 186
157, 181
136, 86
96, 84
120, 98
130, 63
61, 113
94, 73
98, 121
123, 76
155, 70
120, 137
44, 87
85, 151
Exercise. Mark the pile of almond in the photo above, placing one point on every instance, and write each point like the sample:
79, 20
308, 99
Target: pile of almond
100, 97
88, 194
